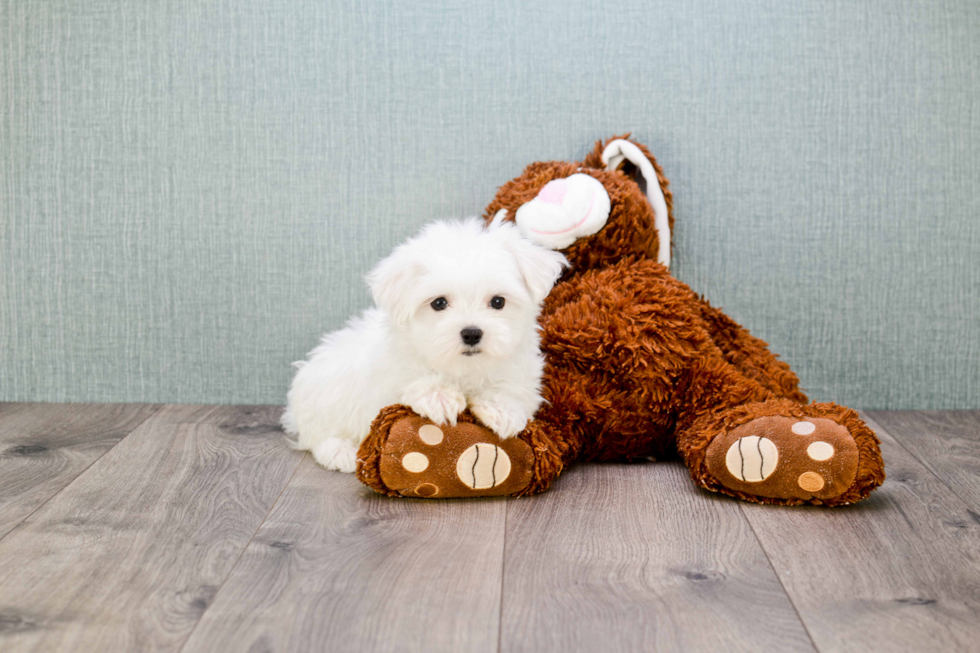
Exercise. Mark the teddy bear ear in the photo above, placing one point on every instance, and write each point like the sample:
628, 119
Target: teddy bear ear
617, 152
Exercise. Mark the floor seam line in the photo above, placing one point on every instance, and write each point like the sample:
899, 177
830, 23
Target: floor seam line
241, 553
955, 497
82, 472
779, 578
503, 570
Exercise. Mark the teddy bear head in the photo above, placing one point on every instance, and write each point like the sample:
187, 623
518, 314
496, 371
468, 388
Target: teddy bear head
613, 205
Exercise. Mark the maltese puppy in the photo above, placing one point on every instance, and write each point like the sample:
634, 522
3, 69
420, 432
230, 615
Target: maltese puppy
455, 326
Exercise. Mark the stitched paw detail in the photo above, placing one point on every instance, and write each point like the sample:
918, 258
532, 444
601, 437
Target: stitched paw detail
785, 458
752, 459
483, 466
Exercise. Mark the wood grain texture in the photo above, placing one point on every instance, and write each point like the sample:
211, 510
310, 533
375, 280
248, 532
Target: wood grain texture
947, 442
635, 558
131, 554
337, 567
897, 572
43, 447
201, 530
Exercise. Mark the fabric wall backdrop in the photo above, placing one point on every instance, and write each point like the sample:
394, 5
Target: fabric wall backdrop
190, 192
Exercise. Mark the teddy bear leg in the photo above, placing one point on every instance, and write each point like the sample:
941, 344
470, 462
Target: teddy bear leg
750, 355
781, 452
407, 455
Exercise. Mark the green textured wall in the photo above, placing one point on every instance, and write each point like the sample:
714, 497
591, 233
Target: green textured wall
190, 191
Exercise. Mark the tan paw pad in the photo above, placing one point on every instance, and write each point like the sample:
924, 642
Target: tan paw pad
415, 462
810, 481
427, 490
804, 428
431, 435
820, 450
752, 459
483, 466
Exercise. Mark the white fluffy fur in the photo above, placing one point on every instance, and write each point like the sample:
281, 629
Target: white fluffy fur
404, 351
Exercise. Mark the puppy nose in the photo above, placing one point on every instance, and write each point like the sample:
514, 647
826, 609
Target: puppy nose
471, 335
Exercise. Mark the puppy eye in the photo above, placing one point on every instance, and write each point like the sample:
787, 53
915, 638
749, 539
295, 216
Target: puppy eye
497, 302
439, 304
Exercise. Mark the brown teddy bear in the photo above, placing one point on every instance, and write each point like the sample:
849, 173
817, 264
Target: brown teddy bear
637, 366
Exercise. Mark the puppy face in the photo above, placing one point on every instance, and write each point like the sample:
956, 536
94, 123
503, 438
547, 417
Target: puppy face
466, 296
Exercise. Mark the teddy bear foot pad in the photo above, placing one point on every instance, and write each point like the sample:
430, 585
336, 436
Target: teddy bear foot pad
785, 458
422, 459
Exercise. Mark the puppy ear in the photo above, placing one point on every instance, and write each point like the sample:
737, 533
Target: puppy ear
391, 283
539, 267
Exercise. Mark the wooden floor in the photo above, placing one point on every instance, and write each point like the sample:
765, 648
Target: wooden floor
195, 528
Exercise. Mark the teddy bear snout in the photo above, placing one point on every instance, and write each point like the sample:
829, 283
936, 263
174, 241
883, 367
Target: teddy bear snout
564, 211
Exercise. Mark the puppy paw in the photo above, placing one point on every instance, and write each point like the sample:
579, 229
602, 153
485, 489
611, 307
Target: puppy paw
504, 418
439, 403
337, 454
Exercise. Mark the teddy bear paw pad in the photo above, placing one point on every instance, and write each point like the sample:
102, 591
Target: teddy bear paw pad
483, 466
422, 459
785, 458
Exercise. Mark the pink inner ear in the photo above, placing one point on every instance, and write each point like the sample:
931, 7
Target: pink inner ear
554, 191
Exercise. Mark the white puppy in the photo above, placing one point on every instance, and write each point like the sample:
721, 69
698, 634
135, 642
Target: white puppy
455, 326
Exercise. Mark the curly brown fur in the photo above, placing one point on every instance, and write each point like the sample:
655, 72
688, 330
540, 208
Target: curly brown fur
750, 355
370, 451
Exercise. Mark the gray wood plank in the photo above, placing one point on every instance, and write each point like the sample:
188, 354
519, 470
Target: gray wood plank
635, 558
947, 442
129, 556
43, 447
337, 567
899, 571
